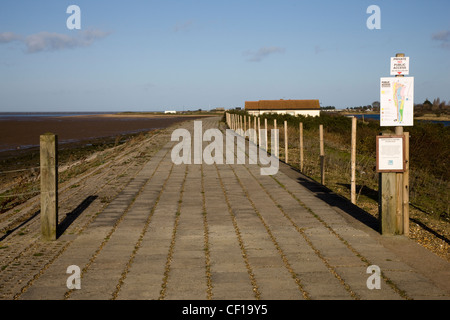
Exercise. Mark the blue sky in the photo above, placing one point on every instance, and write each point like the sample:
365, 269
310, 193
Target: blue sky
148, 55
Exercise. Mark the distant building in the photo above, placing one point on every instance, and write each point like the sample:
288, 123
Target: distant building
170, 111
292, 107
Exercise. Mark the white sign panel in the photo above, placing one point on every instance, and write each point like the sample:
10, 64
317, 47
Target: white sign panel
399, 66
397, 101
390, 154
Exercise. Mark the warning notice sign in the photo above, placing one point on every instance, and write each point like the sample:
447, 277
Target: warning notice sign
399, 66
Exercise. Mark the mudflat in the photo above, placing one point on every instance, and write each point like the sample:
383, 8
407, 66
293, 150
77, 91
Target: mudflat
22, 133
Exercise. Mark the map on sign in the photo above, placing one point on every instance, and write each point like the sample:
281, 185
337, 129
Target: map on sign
397, 101
399, 66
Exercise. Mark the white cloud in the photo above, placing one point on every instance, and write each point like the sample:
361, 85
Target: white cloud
51, 41
262, 53
6, 37
183, 26
47, 41
443, 37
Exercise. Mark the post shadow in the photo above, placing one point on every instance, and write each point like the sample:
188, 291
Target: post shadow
73, 215
331, 198
9, 232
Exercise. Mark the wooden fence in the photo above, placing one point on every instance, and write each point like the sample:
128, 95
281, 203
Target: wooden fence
293, 145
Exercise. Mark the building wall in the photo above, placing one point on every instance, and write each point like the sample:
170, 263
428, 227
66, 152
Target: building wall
312, 113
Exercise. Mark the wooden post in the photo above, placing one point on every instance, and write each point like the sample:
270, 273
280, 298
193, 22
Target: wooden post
353, 163
286, 157
266, 134
49, 185
388, 203
399, 203
301, 146
241, 124
399, 192
277, 153
255, 136
245, 123
322, 156
259, 131
406, 188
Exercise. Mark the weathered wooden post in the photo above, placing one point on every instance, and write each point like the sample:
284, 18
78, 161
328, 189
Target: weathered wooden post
322, 156
255, 136
277, 150
301, 146
245, 123
286, 157
241, 124
353, 163
406, 187
266, 134
259, 131
49, 185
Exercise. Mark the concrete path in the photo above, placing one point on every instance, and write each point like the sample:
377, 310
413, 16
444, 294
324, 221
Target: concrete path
227, 232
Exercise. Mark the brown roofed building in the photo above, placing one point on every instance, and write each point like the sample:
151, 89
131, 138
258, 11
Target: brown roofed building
292, 107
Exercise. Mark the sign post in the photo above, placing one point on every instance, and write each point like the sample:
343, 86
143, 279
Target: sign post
396, 109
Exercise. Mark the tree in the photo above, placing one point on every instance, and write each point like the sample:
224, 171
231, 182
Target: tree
376, 105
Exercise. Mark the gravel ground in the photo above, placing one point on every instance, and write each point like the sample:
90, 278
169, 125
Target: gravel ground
429, 232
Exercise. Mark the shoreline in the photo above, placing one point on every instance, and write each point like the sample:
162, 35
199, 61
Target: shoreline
22, 133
